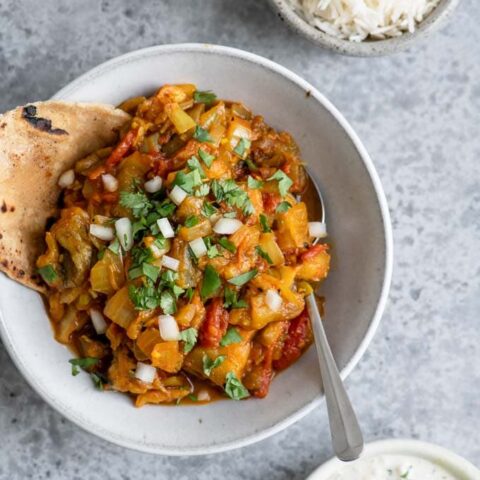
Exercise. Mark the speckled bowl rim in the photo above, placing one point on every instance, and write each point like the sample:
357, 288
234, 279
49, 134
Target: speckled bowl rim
387, 230
458, 466
433, 22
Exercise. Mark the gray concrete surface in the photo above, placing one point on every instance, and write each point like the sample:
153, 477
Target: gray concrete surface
418, 113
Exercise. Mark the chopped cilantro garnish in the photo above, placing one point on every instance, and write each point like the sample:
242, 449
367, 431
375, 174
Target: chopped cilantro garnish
48, 273
284, 181
232, 336
137, 202
144, 297
282, 207
101, 254
234, 387
231, 300
115, 247
212, 250
227, 244
254, 183
151, 271
209, 364
242, 279
263, 254
191, 221
208, 209
189, 337
211, 282
98, 380
82, 363
192, 397
187, 181
229, 192
264, 223
207, 159
189, 293
194, 164
201, 135
242, 146
207, 97
166, 208
202, 191
168, 302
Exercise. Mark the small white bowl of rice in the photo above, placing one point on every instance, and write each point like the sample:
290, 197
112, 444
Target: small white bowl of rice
364, 27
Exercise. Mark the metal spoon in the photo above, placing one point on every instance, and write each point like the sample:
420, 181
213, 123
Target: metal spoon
347, 438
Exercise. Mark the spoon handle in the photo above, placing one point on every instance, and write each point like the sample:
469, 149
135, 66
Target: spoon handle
347, 437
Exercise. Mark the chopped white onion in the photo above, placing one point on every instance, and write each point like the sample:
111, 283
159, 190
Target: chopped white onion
165, 227
153, 185
198, 247
123, 226
317, 229
145, 373
102, 232
168, 327
273, 300
171, 263
178, 195
203, 396
110, 182
66, 179
99, 323
227, 226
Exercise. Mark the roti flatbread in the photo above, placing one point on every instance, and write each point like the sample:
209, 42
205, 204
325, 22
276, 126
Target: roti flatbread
38, 143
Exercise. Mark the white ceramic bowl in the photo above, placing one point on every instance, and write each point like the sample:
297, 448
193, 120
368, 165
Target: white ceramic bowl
454, 464
356, 290
368, 48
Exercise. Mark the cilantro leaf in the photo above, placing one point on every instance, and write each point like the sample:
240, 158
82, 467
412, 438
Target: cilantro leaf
165, 208
191, 221
137, 202
227, 244
208, 209
168, 302
98, 380
189, 337
186, 181
209, 364
284, 181
232, 194
82, 363
242, 146
202, 135
211, 282
264, 223
144, 297
48, 273
194, 164
115, 246
202, 191
207, 159
264, 254
232, 336
189, 293
254, 183
242, 279
234, 387
282, 207
207, 97
231, 300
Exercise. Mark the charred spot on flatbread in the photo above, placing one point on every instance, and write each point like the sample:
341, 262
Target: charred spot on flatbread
29, 113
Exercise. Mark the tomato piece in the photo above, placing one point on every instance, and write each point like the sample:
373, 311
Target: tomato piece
270, 202
313, 251
299, 337
121, 149
215, 324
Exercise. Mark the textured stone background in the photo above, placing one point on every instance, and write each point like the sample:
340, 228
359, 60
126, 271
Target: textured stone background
418, 113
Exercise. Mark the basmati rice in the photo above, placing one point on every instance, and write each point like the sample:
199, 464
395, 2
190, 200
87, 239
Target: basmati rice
355, 20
